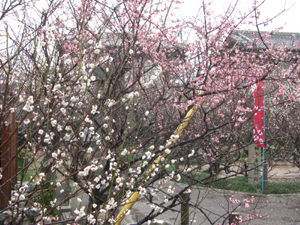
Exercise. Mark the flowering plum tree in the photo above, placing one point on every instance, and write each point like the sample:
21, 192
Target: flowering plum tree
98, 88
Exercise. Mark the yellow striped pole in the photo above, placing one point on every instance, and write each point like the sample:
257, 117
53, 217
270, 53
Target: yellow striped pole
133, 198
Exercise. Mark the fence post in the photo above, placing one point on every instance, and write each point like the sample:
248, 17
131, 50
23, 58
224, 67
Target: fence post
233, 218
185, 208
8, 161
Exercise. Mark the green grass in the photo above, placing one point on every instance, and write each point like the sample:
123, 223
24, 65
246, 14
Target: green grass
241, 184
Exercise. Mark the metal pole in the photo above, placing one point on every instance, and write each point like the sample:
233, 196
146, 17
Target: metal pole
263, 159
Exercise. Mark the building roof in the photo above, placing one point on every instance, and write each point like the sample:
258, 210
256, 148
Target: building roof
242, 38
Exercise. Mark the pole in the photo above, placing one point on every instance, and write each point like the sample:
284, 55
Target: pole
263, 159
185, 209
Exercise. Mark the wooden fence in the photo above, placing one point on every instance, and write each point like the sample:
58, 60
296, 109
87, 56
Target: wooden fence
8, 158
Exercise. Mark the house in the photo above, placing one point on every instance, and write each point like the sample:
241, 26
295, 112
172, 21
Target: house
243, 39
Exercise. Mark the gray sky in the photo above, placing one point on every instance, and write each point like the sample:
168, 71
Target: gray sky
290, 19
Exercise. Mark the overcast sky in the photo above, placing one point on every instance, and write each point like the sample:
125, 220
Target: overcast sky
290, 19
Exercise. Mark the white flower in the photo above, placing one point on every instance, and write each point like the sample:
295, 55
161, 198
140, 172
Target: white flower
97, 51
148, 154
146, 113
63, 110
94, 109
81, 174
111, 201
93, 78
54, 155
28, 108
76, 211
99, 45
151, 147
110, 102
41, 132
105, 125
178, 177
97, 179
30, 99
119, 179
130, 52
167, 151
90, 150
68, 61
143, 191
73, 99
90, 42
26, 121
53, 123
131, 95
124, 152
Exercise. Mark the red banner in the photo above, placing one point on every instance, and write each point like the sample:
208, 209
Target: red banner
258, 116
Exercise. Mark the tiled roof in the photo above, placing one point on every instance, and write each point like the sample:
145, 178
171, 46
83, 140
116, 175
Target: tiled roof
244, 38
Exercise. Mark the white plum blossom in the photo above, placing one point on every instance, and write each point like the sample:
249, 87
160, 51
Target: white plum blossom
94, 109
178, 177
80, 213
110, 103
89, 150
167, 151
143, 191
124, 152
54, 155
26, 121
53, 123
68, 61
28, 107
192, 153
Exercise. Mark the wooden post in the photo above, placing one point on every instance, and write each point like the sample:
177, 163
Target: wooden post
8, 159
233, 218
185, 209
254, 158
